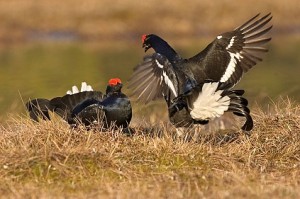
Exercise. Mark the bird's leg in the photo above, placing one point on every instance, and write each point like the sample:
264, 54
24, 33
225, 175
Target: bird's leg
177, 105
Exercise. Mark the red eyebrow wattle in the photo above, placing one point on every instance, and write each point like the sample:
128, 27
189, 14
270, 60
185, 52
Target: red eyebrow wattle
114, 81
144, 36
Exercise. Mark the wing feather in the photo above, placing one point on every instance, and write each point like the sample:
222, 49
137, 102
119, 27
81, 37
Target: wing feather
153, 78
234, 52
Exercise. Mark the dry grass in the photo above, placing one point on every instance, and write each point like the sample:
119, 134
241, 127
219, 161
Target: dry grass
50, 160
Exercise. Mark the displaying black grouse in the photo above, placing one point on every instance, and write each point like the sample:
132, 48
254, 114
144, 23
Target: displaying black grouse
114, 108
212, 72
87, 106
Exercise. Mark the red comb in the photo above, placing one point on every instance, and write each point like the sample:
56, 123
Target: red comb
144, 36
114, 81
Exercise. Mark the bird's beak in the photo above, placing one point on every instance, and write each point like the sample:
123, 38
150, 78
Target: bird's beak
146, 47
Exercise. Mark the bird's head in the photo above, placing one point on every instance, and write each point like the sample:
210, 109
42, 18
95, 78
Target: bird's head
159, 46
114, 85
147, 41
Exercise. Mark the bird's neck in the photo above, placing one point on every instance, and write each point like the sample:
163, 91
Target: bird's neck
163, 48
112, 93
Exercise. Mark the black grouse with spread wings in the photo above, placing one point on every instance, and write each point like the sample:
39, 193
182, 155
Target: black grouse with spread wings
225, 60
208, 76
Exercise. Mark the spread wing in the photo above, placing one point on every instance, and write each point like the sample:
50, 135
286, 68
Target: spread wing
154, 78
233, 53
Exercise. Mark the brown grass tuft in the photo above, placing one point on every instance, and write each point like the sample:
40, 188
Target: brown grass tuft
49, 159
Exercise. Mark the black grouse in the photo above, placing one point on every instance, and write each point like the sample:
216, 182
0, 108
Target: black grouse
188, 85
87, 106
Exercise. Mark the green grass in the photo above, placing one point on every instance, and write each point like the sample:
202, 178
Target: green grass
49, 159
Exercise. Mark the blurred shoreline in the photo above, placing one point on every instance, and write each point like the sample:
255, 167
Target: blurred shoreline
26, 21
57, 36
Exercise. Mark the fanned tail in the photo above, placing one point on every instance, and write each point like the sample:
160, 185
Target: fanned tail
65, 105
84, 87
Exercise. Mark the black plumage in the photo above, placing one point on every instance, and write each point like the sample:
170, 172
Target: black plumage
166, 74
39, 108
87, 107
63, 106
114, 109
225, 59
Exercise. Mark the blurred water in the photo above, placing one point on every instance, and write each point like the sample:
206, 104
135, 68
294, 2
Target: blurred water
48, 70
52, 36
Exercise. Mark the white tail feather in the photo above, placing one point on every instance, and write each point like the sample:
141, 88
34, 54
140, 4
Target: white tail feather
89, 88
209, 104
75, 89
84, 87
